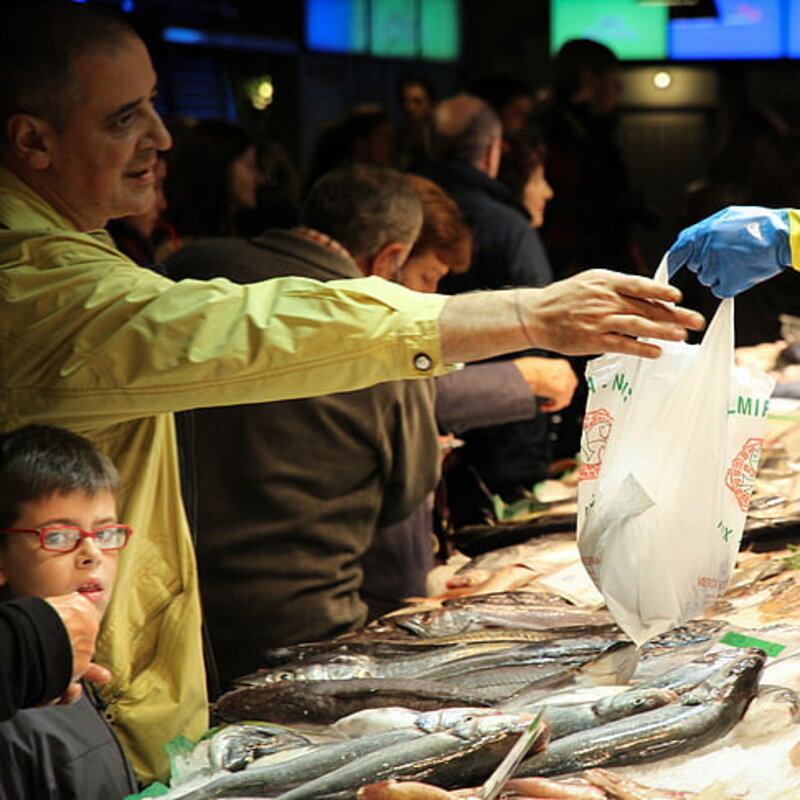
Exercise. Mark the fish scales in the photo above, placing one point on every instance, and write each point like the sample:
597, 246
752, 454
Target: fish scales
345, 665
701, 716
446, 621
564, 651
275, 778
566, 719
460, 757
323, 702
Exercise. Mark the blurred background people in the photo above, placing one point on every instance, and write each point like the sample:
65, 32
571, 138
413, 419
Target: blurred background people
522, 171
510, 96
592, 219
397, 562
291, 493
213, 175
414, 135
363, 136
508, 458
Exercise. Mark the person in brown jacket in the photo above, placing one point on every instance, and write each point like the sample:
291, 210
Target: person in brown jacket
290, 493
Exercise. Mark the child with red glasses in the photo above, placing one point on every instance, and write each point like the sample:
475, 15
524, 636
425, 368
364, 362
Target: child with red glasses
59, 534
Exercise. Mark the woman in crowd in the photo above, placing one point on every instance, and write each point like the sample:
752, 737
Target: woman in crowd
213, 176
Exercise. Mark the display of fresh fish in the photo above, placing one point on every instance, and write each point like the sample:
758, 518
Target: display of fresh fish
387, 647
462, 756
531, 670
685, 677
323, 702
678, 646
370, 721
275, 778
342, 666
519, 600
565, 719
699, 717
449, 620
235, 746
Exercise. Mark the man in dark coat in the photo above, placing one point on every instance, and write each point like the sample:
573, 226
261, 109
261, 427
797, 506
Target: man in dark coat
508, 458
291, 493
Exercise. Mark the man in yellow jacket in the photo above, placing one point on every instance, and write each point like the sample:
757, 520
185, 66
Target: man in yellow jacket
91, 342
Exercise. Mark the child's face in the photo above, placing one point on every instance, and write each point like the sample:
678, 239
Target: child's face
28, 570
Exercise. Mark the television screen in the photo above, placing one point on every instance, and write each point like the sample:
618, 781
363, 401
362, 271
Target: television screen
742, 29
631, 30
793, 36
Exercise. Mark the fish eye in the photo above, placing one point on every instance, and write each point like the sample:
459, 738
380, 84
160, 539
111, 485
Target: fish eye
285, 676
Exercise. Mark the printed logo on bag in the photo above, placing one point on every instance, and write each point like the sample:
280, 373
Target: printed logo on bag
741, 474
749, 407
597, 426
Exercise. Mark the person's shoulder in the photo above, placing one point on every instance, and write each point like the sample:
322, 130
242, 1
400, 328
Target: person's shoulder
204, 259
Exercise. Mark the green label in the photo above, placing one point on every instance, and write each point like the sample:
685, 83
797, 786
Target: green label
741, 640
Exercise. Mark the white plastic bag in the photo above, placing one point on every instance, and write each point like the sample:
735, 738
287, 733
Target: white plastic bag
669, 453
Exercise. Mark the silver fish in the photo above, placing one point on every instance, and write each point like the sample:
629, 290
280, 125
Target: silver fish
565, 719
323, 702
233, 747
343, 666
462, 756
685, 677
531, 671
323, 759
374, 720
447, 621
701, 716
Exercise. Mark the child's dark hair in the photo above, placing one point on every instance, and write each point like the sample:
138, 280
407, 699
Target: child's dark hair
37, 461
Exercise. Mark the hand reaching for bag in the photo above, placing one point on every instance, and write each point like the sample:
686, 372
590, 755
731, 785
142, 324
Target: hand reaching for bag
600, 311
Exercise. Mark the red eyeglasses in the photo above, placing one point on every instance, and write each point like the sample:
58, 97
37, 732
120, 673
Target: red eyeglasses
66, 538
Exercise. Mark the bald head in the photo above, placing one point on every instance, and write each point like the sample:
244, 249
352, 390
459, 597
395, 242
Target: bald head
467, 129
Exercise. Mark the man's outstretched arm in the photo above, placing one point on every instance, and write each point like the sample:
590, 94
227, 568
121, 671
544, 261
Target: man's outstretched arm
596, 311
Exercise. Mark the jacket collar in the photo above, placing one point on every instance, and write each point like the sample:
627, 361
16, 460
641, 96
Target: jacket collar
21, 208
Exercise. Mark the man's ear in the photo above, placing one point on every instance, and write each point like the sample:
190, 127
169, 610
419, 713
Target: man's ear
387, 261
28, 140
490, 164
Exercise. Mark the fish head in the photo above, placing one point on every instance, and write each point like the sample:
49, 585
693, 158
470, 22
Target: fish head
342, 667
738, 678
633, 701
444, 719
234, 746
491, 727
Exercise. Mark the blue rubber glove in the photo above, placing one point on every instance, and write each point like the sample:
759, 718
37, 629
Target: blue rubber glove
736, 248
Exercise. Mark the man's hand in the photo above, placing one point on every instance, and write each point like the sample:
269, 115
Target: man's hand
82, 622
551, 379
736, 248
597, 311
600, 311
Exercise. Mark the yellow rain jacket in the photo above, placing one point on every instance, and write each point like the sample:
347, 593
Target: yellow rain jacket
94, 343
